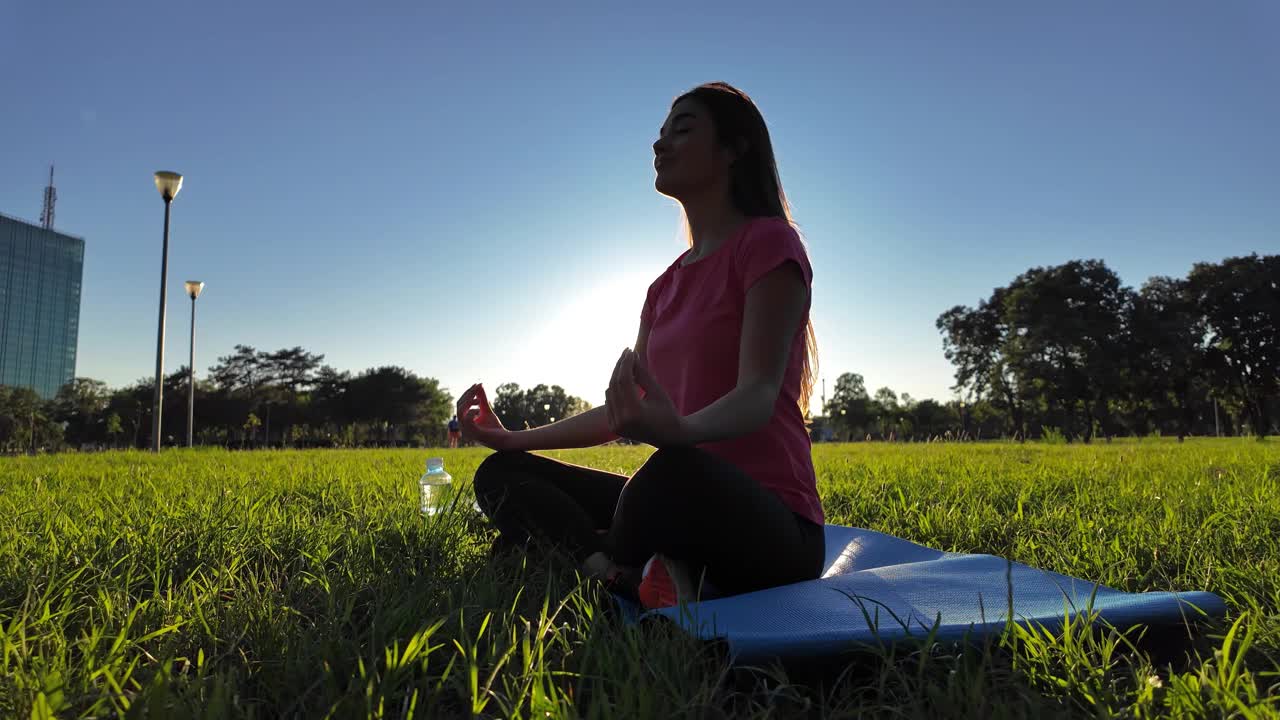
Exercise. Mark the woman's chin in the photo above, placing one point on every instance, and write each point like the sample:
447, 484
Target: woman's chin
665, 187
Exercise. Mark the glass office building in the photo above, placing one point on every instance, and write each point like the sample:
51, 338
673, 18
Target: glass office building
40, 274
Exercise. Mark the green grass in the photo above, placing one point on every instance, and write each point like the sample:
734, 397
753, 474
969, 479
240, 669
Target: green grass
306, 584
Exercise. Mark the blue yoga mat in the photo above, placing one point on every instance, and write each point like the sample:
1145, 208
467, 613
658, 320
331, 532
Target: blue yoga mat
879, 588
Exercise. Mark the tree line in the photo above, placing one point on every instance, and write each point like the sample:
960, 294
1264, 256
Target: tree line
253, 399
1063, 351
853, 414
1069, 350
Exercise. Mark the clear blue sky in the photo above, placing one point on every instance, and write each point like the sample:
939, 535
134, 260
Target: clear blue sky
451, 187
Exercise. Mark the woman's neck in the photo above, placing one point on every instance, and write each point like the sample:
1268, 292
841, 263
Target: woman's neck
710, 225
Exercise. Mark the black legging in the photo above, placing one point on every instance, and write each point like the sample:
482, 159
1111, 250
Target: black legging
684, 503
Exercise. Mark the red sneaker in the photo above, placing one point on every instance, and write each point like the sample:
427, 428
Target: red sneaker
657, 589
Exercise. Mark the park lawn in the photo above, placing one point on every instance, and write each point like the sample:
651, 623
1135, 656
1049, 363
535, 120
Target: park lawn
306, 584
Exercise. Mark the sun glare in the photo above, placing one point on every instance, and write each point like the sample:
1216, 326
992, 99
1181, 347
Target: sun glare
577, 346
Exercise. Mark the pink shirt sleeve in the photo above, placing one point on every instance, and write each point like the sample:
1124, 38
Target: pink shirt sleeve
650, 299
768, 246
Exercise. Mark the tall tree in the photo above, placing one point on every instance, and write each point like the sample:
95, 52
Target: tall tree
929, 419
286, 372
548, 404
974, 340
293, 368
133, 404
1239, 299
330, 392
884, 406
849, 408
508, 403
1067, 339
27, 422
241, 370
396, 402
539, 405
887, 398
81, 404
239, 379
434, 410
1166, 358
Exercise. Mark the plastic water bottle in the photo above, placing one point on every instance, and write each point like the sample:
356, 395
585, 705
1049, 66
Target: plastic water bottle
433, 484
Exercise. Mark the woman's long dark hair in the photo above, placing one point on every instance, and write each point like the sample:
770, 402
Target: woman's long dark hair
754, 187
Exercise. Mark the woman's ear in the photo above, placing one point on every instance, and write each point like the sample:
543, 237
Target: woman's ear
737, 150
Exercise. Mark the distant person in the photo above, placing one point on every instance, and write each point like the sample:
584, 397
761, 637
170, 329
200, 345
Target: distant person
455, 432
718, 381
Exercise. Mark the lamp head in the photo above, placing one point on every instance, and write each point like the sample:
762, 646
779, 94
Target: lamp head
168, 183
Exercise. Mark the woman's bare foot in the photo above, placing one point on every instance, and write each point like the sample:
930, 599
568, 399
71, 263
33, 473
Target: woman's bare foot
620, 577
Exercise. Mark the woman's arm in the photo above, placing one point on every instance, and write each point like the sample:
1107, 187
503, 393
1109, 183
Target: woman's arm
772, 316
582, 430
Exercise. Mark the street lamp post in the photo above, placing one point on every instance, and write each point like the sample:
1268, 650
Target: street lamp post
193, 290
168, 183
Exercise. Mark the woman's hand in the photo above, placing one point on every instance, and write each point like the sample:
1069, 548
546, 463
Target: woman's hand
478, 421
639, 409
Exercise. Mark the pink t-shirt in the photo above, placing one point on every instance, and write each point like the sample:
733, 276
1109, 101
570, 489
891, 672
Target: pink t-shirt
695, 316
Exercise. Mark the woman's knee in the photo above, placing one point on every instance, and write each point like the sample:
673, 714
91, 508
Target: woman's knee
676, 455
496, 471
665, 472
672, 461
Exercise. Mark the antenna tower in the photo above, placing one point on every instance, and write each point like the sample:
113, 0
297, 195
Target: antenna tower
50, 197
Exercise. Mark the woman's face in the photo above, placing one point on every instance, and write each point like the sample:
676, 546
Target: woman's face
687, 154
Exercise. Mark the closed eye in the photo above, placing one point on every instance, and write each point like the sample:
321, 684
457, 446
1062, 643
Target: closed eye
682, 116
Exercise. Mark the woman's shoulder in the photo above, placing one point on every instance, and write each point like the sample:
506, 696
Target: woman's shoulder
668, 271
768, 225
655, 287
769, 231
768, 242
770, 234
